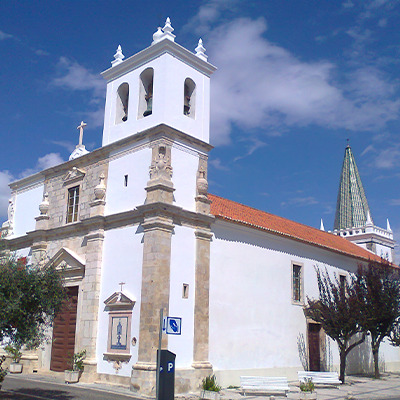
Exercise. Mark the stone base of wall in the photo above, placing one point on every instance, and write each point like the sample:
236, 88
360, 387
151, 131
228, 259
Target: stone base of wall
29, 363
114, 380
89, 374
186, 380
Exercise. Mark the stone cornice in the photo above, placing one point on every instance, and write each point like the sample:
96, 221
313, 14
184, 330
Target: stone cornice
161, 131
175, 214
155, 51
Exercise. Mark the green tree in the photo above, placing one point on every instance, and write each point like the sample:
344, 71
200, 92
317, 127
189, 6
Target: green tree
337, 310
377, 286
30, 297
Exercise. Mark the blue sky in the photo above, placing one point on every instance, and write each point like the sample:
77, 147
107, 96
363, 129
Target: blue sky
295, 79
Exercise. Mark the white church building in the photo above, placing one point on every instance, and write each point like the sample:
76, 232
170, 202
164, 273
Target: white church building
136, 231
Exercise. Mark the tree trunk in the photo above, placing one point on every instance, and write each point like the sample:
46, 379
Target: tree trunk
375, 353
343, 355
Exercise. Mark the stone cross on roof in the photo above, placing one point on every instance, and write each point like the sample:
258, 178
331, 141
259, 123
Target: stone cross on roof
80, 127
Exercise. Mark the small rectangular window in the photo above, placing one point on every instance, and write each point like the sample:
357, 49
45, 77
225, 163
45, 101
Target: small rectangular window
297, 287
126, 180
185, 291
342, 281
73, 203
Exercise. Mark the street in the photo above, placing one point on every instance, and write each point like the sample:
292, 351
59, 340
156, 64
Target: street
15, 388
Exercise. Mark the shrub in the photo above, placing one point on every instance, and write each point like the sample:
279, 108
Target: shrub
307, 385
210, 383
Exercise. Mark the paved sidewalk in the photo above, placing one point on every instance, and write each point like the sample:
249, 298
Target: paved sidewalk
357, 388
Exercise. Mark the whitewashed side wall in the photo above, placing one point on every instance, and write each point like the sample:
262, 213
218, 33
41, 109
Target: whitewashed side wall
26, 209
123, 198
185, 167
253, 322
182, 271
122, 262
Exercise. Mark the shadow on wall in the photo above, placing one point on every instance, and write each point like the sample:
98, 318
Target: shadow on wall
360, 361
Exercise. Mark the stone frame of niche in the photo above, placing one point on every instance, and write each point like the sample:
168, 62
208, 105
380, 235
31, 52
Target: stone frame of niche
119, 307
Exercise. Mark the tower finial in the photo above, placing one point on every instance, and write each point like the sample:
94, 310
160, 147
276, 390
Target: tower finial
157, 35
200, 50
168, 29
118, 57
348, 142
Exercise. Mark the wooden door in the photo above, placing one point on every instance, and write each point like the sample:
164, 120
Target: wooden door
64, 327
314, 350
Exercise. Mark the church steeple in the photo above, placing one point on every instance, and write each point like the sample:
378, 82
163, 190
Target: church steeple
352, 207
353, 219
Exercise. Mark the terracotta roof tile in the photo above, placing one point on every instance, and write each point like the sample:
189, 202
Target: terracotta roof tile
231, 211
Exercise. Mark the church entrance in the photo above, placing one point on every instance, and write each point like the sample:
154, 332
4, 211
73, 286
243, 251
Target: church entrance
64, 327
314, 349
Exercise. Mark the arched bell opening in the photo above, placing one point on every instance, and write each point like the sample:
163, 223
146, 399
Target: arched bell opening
189, 98
121, 114
146, 93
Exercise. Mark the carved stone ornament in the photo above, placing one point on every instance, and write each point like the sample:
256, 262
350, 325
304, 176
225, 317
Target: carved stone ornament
44, 205
100, 189
202, 184
8, 225
161, 164
74, 175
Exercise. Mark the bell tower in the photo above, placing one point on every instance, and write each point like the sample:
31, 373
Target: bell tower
162, 84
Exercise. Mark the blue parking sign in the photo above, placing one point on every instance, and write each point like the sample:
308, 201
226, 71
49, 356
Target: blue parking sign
172, 325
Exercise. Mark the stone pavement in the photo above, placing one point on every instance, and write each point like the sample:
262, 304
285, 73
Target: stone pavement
356, 388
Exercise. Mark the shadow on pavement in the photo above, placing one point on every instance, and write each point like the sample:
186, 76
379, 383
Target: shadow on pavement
25, 394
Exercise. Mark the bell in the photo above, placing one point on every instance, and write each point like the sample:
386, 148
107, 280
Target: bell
149, 109
124, 118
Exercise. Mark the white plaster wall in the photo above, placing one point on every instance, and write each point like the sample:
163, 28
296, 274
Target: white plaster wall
253, 322
182, 271
168, 86
185, 167
122, 262
26, 209
136, 165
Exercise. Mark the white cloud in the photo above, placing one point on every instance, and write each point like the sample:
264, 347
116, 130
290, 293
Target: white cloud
5, 179
4, 35
209, 13
47, 161
253, 145
388, 158
260, 85
300, 201
76, 77
216, 163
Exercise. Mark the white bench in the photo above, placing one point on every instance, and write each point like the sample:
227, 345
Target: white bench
264, 384
320, 378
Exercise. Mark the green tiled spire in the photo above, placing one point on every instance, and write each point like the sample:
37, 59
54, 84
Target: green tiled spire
352, 206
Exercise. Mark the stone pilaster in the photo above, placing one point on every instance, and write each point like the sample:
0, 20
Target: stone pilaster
154, 296
87, 336
201, 302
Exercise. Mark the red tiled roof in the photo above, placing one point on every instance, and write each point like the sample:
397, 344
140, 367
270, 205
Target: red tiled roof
235, 212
